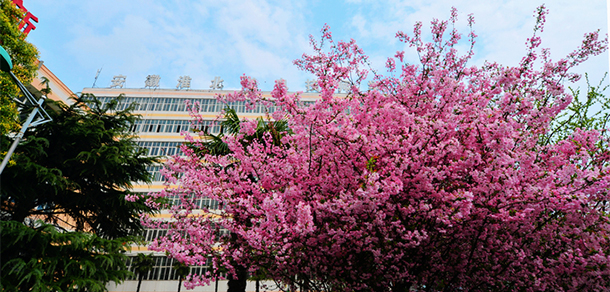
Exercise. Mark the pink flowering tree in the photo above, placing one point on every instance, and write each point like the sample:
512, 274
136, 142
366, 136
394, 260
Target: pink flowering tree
441, 176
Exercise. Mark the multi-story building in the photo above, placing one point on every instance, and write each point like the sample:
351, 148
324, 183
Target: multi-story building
44, 78
164, 117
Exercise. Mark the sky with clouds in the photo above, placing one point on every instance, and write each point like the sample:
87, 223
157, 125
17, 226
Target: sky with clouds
262, 38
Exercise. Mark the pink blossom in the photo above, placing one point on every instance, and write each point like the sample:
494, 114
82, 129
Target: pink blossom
435, 178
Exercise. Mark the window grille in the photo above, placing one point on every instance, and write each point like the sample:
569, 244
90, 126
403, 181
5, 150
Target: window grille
155, 148
163, 269
208, 105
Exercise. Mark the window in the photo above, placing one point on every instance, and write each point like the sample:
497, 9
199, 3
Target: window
152, 234
155, 173
206, 105
163, 269
162, 126
155, 148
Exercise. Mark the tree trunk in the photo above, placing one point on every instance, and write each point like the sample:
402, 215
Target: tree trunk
139, 282
179, 284
239, 284
401, 287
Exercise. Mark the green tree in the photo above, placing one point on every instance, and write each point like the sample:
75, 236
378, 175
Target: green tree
44, 259
181, 270
588, 112
24, 57
73, 174
142, 264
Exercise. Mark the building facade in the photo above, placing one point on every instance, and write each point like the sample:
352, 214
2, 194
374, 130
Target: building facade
164, 116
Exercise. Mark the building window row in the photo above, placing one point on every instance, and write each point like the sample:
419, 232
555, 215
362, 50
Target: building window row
179, 104
198, 203
176, 126
163, 269
161, 126
210, 105
210, 127
152, 234
155, 148
155, 173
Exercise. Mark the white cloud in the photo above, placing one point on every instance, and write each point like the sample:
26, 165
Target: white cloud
502, 26
227, 38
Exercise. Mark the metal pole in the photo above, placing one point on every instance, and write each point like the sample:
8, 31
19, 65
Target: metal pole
6, 65
20, 135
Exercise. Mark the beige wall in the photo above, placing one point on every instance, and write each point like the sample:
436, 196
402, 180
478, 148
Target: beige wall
59, 91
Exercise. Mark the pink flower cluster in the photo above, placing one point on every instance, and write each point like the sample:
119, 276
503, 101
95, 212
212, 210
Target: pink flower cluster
434, 179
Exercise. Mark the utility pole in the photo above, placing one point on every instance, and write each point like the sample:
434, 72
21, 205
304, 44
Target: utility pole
6, 65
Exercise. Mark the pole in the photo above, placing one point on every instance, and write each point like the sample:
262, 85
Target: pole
6, 65
20, 135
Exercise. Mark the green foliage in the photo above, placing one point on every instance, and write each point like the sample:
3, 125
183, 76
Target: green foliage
591, 112
142, 264
23, 56
73, 174
181, 269
214, 144
77, 170
42, 258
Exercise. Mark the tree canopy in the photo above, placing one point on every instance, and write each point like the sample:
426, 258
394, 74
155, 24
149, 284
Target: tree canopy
23, 55
43, 258
442, 176
72, 174
76, 170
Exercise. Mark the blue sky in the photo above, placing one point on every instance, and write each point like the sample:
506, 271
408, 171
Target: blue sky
261, 38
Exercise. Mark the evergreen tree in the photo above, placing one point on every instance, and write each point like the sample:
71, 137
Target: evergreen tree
42, 258
72, 174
